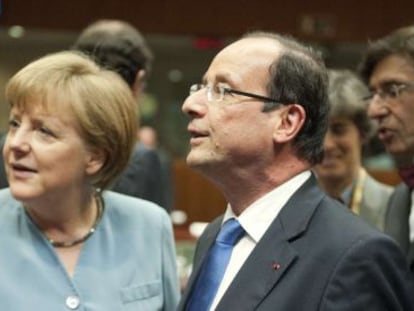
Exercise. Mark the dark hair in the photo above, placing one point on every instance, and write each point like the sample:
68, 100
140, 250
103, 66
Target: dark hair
116, 45
399, 42
299, 76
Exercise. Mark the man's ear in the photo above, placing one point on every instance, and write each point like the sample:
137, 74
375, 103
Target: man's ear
139, 82
291, 120
94, 161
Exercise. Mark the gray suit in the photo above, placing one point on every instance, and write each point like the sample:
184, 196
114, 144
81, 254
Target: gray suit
374, 201
327, 259
396, 221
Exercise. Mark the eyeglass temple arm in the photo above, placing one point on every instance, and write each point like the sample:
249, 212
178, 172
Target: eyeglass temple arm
264, 98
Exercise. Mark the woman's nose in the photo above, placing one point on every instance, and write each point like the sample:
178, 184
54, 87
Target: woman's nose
329, 141
18, 139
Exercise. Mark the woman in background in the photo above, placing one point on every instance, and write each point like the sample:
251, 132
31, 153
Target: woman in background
341, 173
65, 242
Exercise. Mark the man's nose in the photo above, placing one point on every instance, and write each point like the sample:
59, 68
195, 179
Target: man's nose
377, 108
195, 104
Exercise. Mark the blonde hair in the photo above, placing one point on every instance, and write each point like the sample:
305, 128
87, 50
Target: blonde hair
101, 102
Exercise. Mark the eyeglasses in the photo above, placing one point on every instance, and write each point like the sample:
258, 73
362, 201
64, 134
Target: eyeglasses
217, 93
390, 90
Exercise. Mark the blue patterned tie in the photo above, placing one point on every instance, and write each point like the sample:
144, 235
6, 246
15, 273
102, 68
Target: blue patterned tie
214, 266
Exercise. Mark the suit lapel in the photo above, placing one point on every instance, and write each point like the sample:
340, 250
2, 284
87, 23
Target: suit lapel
396, 220
274, 254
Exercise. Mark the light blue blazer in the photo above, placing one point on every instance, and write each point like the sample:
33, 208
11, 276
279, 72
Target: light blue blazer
127, 264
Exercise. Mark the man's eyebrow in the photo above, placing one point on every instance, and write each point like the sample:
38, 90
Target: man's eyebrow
220, 77
388, 82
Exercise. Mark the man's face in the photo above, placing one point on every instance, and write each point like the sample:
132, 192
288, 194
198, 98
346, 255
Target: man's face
395, 112
233, 133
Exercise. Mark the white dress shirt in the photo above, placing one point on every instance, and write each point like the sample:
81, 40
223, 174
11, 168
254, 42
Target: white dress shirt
255, 220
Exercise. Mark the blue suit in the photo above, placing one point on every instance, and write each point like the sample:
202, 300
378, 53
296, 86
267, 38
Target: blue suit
127, 264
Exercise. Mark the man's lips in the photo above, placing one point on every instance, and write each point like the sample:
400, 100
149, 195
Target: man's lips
22, 168
197, 134
384, 134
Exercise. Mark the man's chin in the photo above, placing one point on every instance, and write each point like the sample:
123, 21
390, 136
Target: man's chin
402, 158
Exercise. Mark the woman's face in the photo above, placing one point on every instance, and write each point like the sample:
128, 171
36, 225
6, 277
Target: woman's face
342, 146
45, 155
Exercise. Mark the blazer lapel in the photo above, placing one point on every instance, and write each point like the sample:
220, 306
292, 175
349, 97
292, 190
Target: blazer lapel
274, 254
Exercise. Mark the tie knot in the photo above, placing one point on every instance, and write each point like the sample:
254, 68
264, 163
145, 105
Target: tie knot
230, 232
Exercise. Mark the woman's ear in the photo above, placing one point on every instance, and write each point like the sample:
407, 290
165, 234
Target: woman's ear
95, 161
291, 120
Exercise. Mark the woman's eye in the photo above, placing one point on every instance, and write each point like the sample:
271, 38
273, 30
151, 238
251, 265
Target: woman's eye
13, 123
45, 131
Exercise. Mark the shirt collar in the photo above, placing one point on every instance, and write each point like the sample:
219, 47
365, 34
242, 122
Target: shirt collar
258, 216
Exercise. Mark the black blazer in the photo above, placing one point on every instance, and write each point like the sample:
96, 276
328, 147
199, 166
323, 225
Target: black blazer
316, 255
3, 178
142, 176
397, 221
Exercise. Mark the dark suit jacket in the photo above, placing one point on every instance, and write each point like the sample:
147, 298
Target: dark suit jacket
397, 221
328, 259
3, 178
142, 176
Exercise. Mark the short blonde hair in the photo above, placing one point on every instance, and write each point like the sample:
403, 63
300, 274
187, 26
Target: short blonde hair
101, 102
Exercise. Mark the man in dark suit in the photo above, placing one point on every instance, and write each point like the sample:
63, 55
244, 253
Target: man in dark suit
119, 46
388, 68
3, 177
257, 124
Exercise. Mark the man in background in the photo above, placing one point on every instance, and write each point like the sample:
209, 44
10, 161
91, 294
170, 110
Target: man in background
148, 136
3, 178
388, 69
119, 46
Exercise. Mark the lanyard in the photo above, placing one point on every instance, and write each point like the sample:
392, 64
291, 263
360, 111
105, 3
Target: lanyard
356, 197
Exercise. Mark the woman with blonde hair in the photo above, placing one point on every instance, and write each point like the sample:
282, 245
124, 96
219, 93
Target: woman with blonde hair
67, 243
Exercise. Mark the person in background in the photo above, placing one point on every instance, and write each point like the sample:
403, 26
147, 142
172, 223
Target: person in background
120, 47
67, 242
149, 137
388, 69
257, 123
3, 177
341, 173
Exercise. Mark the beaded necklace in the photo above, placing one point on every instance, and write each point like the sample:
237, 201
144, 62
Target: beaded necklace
66, 244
